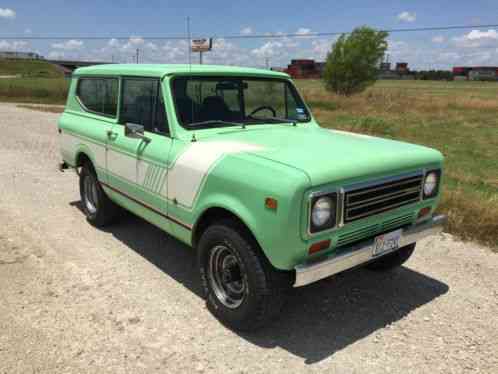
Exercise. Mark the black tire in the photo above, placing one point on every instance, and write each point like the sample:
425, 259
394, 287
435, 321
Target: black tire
260, 288
100, 211
392, 260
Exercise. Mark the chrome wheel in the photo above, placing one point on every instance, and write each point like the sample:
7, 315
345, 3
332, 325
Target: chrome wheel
90, 194
226, 277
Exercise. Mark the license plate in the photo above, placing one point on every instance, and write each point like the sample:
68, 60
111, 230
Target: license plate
386, 242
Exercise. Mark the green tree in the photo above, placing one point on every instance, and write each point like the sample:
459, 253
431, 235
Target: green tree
353, 63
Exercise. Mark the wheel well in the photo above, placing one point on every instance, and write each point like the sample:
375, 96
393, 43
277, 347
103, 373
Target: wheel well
82, 159
216, 215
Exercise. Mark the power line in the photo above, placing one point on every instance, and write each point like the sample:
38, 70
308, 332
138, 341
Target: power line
253, 36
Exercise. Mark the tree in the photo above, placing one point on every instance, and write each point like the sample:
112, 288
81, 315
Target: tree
353, 63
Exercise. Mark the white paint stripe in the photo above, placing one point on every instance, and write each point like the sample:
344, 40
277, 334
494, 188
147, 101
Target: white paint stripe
70, 144
123, 165
186, 175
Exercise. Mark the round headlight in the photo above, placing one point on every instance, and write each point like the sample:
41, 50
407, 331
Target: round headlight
322, 210
430, 183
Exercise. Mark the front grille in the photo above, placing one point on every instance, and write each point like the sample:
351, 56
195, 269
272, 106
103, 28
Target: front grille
381, 197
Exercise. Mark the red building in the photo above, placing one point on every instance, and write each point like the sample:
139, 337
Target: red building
305, 69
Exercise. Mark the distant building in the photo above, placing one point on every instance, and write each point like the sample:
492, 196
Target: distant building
385, 66
20, 55
475, 73
402, 68
401, 71
305, 69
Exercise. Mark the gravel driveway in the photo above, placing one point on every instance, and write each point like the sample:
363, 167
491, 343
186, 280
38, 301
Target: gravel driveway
75, 299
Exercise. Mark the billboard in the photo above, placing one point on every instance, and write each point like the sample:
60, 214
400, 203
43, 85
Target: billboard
201, 45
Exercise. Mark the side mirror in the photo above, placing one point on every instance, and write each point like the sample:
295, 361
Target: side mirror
135, 131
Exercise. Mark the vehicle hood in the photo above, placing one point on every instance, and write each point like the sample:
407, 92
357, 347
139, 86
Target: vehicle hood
331, 155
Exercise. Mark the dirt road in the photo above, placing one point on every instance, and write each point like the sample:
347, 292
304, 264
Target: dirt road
74, 299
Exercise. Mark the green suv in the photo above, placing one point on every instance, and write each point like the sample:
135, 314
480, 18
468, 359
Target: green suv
231, 162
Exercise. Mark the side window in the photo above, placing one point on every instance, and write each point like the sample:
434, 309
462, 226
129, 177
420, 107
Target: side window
99, 95
143, 104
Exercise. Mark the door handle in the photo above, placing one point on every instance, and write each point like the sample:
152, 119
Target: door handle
111, 134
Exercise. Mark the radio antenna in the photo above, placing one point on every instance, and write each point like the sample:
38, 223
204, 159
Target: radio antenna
189, 46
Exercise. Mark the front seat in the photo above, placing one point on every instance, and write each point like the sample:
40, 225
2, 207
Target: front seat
214, 108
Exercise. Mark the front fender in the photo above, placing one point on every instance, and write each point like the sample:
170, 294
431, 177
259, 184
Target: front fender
240, 184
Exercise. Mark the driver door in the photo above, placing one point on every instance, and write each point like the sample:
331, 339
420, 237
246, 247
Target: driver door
138, 166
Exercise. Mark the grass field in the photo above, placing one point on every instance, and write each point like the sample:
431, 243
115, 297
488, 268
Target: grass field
34, 90
458, 118
29, 68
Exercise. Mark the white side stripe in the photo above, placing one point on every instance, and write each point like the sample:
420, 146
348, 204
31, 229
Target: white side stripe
186, 175
69, 145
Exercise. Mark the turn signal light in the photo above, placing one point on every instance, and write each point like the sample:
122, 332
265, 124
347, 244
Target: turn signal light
424, 211
271, 203
319, 246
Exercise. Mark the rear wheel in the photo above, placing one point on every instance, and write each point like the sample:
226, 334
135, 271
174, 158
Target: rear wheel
241, 287
99, 209
392, 260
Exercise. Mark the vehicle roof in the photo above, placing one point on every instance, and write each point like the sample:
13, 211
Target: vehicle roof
161, 70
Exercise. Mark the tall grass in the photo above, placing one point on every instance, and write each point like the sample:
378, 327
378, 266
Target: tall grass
34, 90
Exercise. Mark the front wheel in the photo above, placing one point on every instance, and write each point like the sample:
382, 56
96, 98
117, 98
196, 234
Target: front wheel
392, 260
242, 289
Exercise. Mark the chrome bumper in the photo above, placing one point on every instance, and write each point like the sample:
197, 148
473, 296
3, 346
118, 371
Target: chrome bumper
361, 253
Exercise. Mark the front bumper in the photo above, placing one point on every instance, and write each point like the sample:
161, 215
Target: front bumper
361, 253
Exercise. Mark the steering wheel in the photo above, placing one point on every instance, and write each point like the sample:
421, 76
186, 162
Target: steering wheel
264, 107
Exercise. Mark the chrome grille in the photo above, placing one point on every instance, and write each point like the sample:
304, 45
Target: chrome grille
381, 196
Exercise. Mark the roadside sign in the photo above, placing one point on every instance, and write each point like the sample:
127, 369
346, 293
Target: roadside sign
201, 45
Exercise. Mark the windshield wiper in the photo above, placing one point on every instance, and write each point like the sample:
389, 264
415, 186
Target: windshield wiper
208, 124
261, 121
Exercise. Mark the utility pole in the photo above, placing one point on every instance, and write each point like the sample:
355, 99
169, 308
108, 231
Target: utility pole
200, 57
267, 62
138, 52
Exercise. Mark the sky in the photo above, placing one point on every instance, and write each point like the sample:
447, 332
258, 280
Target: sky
136, 20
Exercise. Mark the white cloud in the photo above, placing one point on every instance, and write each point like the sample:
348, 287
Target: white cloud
477, 38
321, 48
28, 31
70, 45
303, 31
7, 13
151, 46
269, 49
133, 43
113, 43
407, 17
16, 45
246, 31
477, 35
56, 55
172, 52
136, 40
438, 39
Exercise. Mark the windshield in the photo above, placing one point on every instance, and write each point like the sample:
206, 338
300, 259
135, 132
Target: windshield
206, 102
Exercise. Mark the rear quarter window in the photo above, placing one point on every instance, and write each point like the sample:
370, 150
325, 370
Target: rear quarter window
99, 95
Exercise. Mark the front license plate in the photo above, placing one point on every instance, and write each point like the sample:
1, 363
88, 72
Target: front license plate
386, 242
